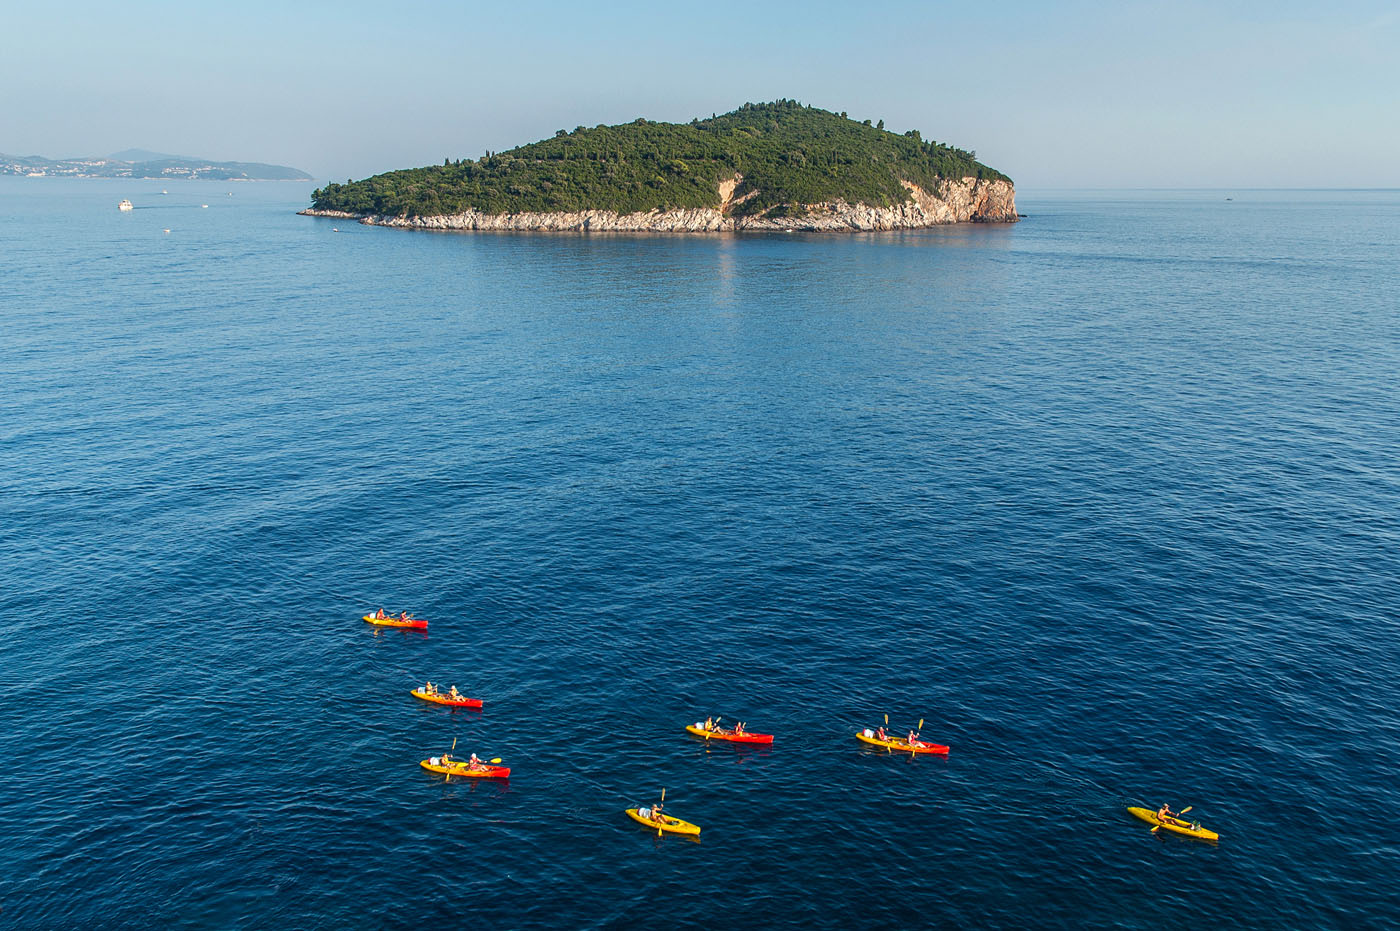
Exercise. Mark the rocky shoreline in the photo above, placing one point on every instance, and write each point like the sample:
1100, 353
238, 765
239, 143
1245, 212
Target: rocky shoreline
963, 201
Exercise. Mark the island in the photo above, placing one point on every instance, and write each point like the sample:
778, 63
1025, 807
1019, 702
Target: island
767, 166
139, 163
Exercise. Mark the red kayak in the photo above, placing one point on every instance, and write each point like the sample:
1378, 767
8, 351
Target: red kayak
716, 733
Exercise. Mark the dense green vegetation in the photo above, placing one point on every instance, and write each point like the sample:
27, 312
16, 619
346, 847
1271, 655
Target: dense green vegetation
789, 154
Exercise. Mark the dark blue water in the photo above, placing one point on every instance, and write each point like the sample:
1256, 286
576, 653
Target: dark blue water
1109, 498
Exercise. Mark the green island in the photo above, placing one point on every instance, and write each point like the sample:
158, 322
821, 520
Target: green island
775, 162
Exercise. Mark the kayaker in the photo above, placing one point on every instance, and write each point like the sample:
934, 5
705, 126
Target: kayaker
1166, 815
739, 728
454, 693
913, 738
475, 765
656, 814
880, 733
379, 615
403, 615
430, 689
709, 724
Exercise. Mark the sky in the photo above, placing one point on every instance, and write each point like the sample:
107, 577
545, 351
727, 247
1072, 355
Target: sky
1066, 95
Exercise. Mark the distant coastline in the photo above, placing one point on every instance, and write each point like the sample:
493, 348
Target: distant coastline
152, 166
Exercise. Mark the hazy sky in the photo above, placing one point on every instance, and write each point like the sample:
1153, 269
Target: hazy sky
1075, 94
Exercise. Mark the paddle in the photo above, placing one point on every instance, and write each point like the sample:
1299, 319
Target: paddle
447, 764
661, 818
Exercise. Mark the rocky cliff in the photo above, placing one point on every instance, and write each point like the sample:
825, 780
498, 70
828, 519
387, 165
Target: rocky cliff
965, 201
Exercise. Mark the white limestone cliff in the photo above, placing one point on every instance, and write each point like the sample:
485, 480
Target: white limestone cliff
963, 201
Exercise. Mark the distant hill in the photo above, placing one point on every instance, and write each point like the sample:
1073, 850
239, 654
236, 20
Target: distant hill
146, 155
763, 161
139, 163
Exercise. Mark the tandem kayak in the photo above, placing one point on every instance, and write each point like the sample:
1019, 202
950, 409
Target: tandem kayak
667, 823
416, 622
461, 768
698, 730
900, 744
440, 699
1176, 827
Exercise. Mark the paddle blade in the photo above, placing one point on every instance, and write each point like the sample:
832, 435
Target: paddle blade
1186, 809
921, 723
454, 743
663, 793
887, 720
496, 760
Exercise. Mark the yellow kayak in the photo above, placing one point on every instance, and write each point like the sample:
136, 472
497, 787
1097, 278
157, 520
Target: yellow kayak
1179, 827
668, 824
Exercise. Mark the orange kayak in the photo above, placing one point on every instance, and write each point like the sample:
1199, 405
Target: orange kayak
900, 745
441, 699
415, 622
715, 733
461, 768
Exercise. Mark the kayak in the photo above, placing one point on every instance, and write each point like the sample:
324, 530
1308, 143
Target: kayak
459, 768
669, 825
1185, 830
718, 734
441, 699
902, 745
395, 622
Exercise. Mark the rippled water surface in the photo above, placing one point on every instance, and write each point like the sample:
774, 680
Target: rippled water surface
1108, 498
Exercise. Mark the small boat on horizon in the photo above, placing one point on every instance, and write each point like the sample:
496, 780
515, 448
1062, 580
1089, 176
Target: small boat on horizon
125, 205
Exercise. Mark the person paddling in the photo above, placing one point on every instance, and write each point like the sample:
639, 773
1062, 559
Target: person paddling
1166, 815
656, 814
913, 738
880, 733
475, 765
379, 615
455, 694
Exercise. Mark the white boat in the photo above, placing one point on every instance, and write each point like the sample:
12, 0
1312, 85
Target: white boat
124, 205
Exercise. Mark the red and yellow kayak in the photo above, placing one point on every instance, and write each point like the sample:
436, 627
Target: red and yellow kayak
415, 622
461, 768
901, 745
1185, 829
717, 733
441, 699
667, 823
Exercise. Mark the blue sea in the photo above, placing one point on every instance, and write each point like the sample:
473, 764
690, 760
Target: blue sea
1108, 499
